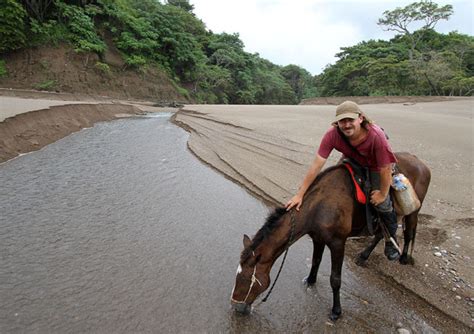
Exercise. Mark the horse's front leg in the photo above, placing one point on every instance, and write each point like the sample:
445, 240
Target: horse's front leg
362, 258
337, 257
318, 250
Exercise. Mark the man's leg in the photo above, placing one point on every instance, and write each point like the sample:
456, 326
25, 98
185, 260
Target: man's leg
389, 218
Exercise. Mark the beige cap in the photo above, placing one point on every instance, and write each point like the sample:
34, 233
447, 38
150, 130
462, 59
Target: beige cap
347, 109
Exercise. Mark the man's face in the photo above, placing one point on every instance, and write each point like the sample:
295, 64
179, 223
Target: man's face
350, 127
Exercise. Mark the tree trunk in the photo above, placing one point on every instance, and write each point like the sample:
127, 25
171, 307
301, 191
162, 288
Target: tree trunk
433, 87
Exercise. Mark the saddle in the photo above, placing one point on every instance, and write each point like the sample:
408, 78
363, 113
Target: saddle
361, 179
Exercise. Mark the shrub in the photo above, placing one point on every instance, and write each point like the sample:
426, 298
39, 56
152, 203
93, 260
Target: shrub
102, 67
47, 32
48, 85
3, 69
12, 25
81, 27
135, 61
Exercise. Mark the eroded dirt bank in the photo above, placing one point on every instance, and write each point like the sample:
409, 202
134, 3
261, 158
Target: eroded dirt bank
30, 131
267, 149
61, 69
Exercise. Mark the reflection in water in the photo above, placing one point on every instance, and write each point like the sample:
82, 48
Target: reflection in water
118, 228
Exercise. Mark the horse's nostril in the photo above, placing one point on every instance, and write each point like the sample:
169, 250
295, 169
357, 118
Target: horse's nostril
241, 308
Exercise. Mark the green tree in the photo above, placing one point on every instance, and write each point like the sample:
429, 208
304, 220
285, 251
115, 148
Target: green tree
298, 78
425, 11
38, 9
83, 33
183, 4
12, 25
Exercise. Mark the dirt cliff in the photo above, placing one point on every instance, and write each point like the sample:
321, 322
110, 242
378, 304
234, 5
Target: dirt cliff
61, 69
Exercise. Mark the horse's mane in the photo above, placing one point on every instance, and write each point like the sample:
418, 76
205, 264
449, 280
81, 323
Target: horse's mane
272, 222
326, 171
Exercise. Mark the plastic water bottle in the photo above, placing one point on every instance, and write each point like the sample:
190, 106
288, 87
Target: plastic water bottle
398, 182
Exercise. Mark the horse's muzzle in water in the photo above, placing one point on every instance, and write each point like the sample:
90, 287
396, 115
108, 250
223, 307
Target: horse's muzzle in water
241, 308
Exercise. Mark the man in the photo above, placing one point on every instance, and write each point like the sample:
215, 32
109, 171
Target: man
371, 149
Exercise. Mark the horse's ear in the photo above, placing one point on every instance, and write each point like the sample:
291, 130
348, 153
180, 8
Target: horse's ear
247, 241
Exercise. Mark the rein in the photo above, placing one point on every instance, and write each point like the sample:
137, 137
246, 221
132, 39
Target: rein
290, 239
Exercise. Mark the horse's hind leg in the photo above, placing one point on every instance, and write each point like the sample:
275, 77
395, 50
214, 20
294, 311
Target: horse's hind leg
337, 257
318, 250
411, 221
362, 258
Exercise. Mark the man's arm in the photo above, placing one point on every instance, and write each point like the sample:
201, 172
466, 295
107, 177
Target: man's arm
378, 196
313, 171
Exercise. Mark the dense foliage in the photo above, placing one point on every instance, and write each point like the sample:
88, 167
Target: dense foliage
421, 62
442, 65
214, 68
12, 25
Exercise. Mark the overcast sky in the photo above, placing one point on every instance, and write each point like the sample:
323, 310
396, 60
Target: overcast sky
309, 33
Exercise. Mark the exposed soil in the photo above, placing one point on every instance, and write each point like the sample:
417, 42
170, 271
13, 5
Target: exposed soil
61, 69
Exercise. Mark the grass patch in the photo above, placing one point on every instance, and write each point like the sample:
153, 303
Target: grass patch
48, 85
102, 67
3, 69
182, 91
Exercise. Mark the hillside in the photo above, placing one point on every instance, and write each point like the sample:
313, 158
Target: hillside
139, 49
61, 69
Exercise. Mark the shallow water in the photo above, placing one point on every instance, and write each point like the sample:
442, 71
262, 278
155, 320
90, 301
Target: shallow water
119, 229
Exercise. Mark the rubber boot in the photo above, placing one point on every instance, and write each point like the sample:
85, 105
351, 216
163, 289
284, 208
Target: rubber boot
390, 220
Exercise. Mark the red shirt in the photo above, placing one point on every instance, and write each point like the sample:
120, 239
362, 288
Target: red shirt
375, 148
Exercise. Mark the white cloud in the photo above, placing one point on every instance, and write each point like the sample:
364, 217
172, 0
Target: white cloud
307, 33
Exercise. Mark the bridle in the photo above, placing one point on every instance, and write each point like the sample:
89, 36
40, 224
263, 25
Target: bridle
254, 278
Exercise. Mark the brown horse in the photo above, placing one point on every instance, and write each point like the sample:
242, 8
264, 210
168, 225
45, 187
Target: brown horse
329, 215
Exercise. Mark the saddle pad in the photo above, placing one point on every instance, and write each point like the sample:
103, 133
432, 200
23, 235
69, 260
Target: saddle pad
359, 193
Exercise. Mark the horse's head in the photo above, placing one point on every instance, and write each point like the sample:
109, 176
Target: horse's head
251, 280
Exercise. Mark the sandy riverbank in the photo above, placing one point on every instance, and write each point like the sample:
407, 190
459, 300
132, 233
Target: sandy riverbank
30, 120
267, 149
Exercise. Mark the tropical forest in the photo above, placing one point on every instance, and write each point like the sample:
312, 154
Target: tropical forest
166, 39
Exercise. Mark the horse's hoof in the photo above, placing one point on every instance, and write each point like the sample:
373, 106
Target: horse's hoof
309, 281
361, 261
335, 315
405, 259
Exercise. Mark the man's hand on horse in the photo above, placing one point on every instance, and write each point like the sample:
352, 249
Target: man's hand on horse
295, 201
376, 197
